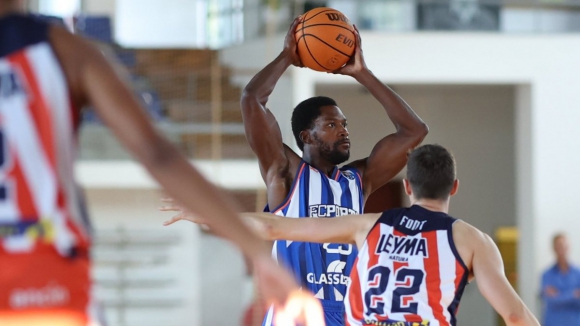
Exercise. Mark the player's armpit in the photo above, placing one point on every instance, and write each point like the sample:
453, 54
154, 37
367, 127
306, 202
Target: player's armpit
494, 286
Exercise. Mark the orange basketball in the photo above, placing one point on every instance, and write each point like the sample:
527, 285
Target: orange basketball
325, 39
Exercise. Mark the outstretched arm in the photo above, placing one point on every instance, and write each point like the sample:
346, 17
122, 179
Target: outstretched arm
389, 155
342, 229
351, 229
262, 129
492, 283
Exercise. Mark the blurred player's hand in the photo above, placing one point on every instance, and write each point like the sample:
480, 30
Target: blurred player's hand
182, 215
255, 224
291, 305
356, 64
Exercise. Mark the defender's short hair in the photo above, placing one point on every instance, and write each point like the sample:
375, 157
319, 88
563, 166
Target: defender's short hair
431, 172
305, 113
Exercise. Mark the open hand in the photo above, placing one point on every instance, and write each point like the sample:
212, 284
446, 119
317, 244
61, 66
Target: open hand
182, 215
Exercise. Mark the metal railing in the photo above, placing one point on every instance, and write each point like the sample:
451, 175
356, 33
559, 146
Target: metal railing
263, 17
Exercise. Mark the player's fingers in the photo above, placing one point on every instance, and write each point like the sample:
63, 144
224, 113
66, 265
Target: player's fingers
357, 33
357, 37
171, 221
293, 25
167, 200
169, 209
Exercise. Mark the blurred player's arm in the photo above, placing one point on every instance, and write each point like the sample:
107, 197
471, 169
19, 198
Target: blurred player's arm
262, 129
488, 269
92, 79
389, 155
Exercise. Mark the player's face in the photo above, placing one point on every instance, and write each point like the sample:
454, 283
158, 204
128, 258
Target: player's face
331, 136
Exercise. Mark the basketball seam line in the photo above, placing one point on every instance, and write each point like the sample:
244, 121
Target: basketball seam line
337, 50
308, 48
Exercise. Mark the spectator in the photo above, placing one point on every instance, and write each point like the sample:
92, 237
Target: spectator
561, 287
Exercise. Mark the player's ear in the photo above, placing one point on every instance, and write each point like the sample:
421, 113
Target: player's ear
454, 188
305, 137
408, 189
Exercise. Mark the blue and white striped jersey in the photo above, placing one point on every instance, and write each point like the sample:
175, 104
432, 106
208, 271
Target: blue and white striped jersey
322, 268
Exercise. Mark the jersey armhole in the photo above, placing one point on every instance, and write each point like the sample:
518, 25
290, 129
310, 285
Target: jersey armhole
454, 250
286, 200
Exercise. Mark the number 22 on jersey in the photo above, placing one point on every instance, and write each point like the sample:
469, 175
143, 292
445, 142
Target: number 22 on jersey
407, 283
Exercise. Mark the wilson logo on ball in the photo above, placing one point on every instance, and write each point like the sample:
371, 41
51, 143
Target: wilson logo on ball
337, 17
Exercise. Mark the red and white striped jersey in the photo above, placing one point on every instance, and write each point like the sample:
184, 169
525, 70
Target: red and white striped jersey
408, 270
39, 200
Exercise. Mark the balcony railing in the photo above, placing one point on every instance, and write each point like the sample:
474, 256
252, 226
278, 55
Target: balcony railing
504, 16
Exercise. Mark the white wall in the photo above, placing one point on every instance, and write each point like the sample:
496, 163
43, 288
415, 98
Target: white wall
99, 7
153, 24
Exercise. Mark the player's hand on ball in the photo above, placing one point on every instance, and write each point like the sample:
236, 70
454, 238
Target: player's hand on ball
182, 215
356, 64
290, 48
291, 305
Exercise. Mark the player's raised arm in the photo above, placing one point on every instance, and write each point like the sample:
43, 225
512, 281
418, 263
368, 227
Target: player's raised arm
262, 129
488, 270
389, 155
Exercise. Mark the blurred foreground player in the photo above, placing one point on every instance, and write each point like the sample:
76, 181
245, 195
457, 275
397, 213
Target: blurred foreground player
46, 76
413, 263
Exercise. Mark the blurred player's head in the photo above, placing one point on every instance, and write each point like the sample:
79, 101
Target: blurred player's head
319, 126
431, 173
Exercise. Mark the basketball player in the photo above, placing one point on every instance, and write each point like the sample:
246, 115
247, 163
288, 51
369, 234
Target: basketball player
413, 263
46, 76
313, 185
